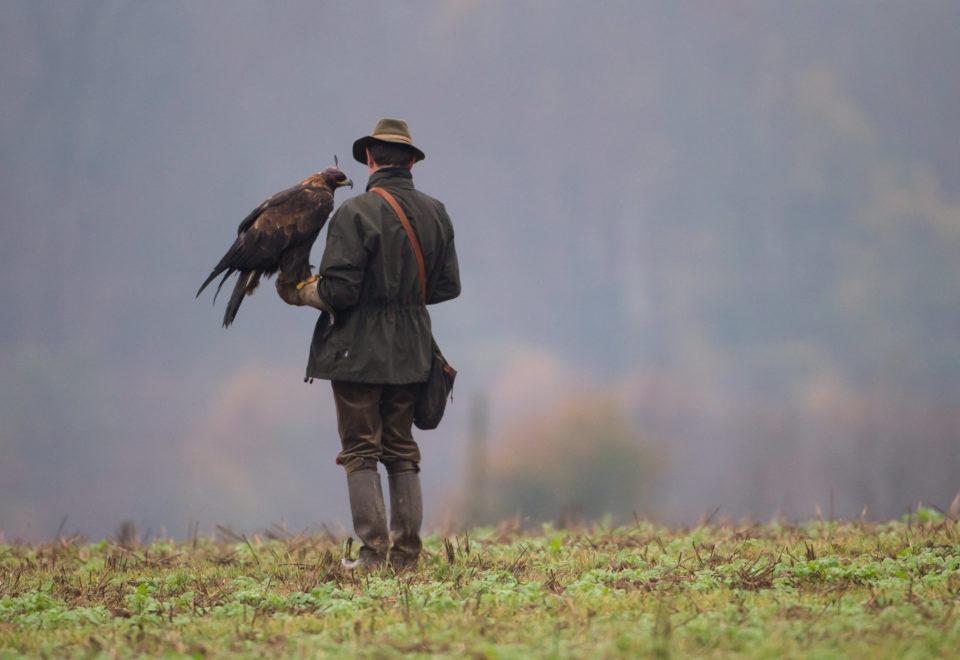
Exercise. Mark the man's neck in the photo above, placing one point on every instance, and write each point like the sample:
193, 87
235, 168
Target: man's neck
388, 170
371, 169
396, 176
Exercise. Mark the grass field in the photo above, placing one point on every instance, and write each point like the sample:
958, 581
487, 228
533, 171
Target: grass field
823, 589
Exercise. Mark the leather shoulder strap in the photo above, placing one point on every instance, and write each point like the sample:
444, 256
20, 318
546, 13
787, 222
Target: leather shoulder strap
414, 243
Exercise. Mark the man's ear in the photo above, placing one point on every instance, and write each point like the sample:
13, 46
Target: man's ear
370, 161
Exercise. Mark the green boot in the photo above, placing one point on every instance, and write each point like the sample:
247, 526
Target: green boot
406, 516
369, 520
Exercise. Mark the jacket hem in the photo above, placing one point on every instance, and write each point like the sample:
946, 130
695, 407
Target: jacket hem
353, 378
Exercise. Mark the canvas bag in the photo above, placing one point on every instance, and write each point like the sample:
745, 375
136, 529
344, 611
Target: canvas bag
432, 399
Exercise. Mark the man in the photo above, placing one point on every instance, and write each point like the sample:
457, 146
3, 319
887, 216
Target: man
375, 346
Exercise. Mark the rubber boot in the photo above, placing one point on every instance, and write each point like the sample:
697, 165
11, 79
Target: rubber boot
406, 516
369, 520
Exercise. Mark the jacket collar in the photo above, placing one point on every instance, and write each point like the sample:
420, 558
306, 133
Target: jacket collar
394, 177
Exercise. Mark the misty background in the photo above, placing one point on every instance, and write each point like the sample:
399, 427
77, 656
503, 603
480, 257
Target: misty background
710, 256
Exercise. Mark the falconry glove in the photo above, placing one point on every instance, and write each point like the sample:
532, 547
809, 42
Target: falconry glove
307, 294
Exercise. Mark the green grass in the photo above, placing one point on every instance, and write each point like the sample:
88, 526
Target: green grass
820, 589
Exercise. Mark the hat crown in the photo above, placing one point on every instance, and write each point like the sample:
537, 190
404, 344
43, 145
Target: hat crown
389, 126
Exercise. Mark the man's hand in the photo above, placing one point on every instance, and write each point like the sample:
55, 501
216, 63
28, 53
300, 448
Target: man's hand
303, 293
307, 294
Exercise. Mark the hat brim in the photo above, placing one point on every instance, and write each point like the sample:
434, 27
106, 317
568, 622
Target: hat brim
360, 148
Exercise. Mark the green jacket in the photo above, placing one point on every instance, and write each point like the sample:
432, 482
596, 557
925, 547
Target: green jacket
369, 278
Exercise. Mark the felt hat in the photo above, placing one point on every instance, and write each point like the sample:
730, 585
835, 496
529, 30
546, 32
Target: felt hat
394, 131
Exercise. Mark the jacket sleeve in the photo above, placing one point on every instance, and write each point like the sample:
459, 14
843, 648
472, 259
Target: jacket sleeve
447, 285
344, 261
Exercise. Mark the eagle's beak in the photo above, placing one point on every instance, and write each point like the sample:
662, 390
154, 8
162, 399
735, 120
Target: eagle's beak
346, 182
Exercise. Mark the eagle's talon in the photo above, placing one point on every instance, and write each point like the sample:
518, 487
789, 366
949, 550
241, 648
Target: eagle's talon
309, 280
307, 294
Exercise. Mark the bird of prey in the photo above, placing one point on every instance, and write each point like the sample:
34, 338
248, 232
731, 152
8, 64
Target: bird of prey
278, 235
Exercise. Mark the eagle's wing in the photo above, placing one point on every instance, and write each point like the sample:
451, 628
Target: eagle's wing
277, 199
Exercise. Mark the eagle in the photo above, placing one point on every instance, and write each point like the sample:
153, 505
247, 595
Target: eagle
278, 235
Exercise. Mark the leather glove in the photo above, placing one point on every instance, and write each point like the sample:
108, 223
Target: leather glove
307, 294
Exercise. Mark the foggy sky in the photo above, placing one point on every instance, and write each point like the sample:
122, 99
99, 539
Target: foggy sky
714, 210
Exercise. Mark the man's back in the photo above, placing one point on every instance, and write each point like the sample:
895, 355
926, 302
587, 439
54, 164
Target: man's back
370, 279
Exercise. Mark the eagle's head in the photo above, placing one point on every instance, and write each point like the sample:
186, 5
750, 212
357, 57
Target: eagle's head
332, 177
335, 178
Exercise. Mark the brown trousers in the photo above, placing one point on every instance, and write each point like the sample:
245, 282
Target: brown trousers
376, 424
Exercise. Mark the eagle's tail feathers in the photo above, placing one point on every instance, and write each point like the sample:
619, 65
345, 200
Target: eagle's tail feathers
230, 271
223, 265
239, 292
213, 274
253, 282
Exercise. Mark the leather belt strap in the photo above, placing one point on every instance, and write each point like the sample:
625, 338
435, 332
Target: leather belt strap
414, 243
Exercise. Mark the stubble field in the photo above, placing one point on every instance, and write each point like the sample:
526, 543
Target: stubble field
825, 589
